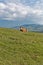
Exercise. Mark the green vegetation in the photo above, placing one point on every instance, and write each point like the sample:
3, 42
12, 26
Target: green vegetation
19, 48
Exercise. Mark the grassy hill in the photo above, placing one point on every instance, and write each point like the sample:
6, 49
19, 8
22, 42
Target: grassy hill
18, 48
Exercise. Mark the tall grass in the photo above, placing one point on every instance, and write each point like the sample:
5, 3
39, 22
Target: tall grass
18, 48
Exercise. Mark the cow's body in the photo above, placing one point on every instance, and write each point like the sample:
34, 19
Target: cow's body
23, 29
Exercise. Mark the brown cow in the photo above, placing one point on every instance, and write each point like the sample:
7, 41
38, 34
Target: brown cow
23, 29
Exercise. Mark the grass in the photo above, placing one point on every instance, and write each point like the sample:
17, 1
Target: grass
19, 48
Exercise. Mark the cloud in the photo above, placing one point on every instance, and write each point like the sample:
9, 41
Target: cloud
12, 10
2, 6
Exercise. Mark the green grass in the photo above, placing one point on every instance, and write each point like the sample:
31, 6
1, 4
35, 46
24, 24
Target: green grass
19, 48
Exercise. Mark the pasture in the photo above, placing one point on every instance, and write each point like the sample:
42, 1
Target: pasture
19, 48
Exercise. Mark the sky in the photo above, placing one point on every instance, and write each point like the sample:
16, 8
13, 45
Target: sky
18, 12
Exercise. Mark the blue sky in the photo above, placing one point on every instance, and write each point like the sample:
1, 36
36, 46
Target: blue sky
18, 12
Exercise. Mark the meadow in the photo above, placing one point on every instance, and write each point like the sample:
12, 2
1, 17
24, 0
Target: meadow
19, 48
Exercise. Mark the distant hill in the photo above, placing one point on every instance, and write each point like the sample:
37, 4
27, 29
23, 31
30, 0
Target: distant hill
32, 27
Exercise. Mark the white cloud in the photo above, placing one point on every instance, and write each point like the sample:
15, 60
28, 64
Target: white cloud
12, 11
38, 12
2, 6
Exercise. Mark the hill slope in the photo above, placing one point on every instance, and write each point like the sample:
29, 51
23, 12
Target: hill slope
18, 48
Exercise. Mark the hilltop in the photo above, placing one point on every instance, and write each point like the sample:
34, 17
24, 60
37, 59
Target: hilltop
19, 48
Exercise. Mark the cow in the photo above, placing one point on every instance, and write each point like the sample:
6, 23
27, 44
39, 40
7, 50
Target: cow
23, 29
